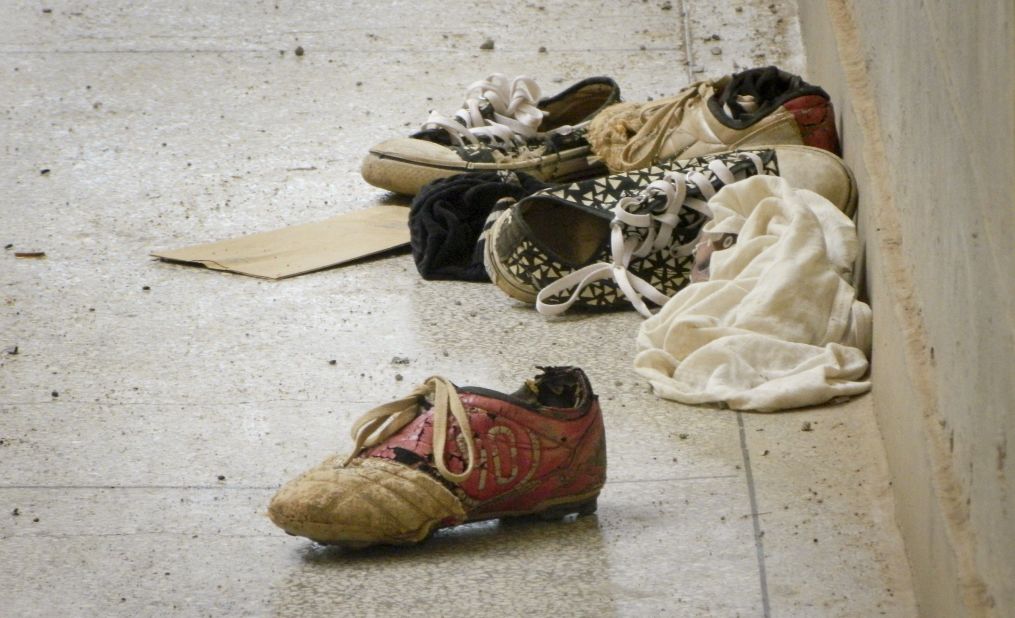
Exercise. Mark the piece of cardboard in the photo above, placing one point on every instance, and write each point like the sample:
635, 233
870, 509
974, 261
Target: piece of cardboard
303, 248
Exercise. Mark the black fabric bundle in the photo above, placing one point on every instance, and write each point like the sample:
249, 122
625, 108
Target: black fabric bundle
447, 217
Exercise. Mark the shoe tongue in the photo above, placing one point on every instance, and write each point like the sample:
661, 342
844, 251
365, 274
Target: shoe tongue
556, 387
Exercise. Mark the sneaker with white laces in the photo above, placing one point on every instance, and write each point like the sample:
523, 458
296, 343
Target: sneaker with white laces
757, 107
503, 125
629, 239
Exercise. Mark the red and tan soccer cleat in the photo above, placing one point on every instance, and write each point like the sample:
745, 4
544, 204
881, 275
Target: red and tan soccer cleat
444, 456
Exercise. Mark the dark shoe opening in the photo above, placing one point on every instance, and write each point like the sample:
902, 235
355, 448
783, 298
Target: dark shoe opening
572, 235
563, 392
576, 104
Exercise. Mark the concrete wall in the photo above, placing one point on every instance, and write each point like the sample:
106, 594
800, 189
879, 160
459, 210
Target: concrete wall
925, 96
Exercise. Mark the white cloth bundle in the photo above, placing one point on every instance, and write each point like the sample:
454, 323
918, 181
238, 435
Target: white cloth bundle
778, 324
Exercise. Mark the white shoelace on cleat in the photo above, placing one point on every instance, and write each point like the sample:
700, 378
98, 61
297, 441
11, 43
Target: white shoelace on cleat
637, 231
516, 115
386, 420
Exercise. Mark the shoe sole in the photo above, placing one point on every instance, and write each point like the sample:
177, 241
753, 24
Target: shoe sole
498, 275
402, 177
408, 177
548, 510
854, 196
553, 512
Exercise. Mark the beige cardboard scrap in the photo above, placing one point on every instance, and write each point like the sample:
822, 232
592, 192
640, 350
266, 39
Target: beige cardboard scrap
303, 248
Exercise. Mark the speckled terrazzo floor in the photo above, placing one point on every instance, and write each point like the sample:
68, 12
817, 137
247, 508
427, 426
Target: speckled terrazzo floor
143, 431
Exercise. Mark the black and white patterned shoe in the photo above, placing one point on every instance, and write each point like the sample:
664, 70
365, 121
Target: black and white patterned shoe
628, 239
503, 125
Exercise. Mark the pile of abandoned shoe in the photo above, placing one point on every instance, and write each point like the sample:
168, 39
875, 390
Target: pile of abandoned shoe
721, 214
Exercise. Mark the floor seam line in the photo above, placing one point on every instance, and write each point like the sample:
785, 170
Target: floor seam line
685, 16
759, 545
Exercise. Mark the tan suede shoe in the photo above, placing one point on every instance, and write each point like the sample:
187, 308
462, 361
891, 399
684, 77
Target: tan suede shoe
756, 107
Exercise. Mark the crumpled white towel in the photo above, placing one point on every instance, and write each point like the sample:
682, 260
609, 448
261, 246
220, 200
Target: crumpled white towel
778, 324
